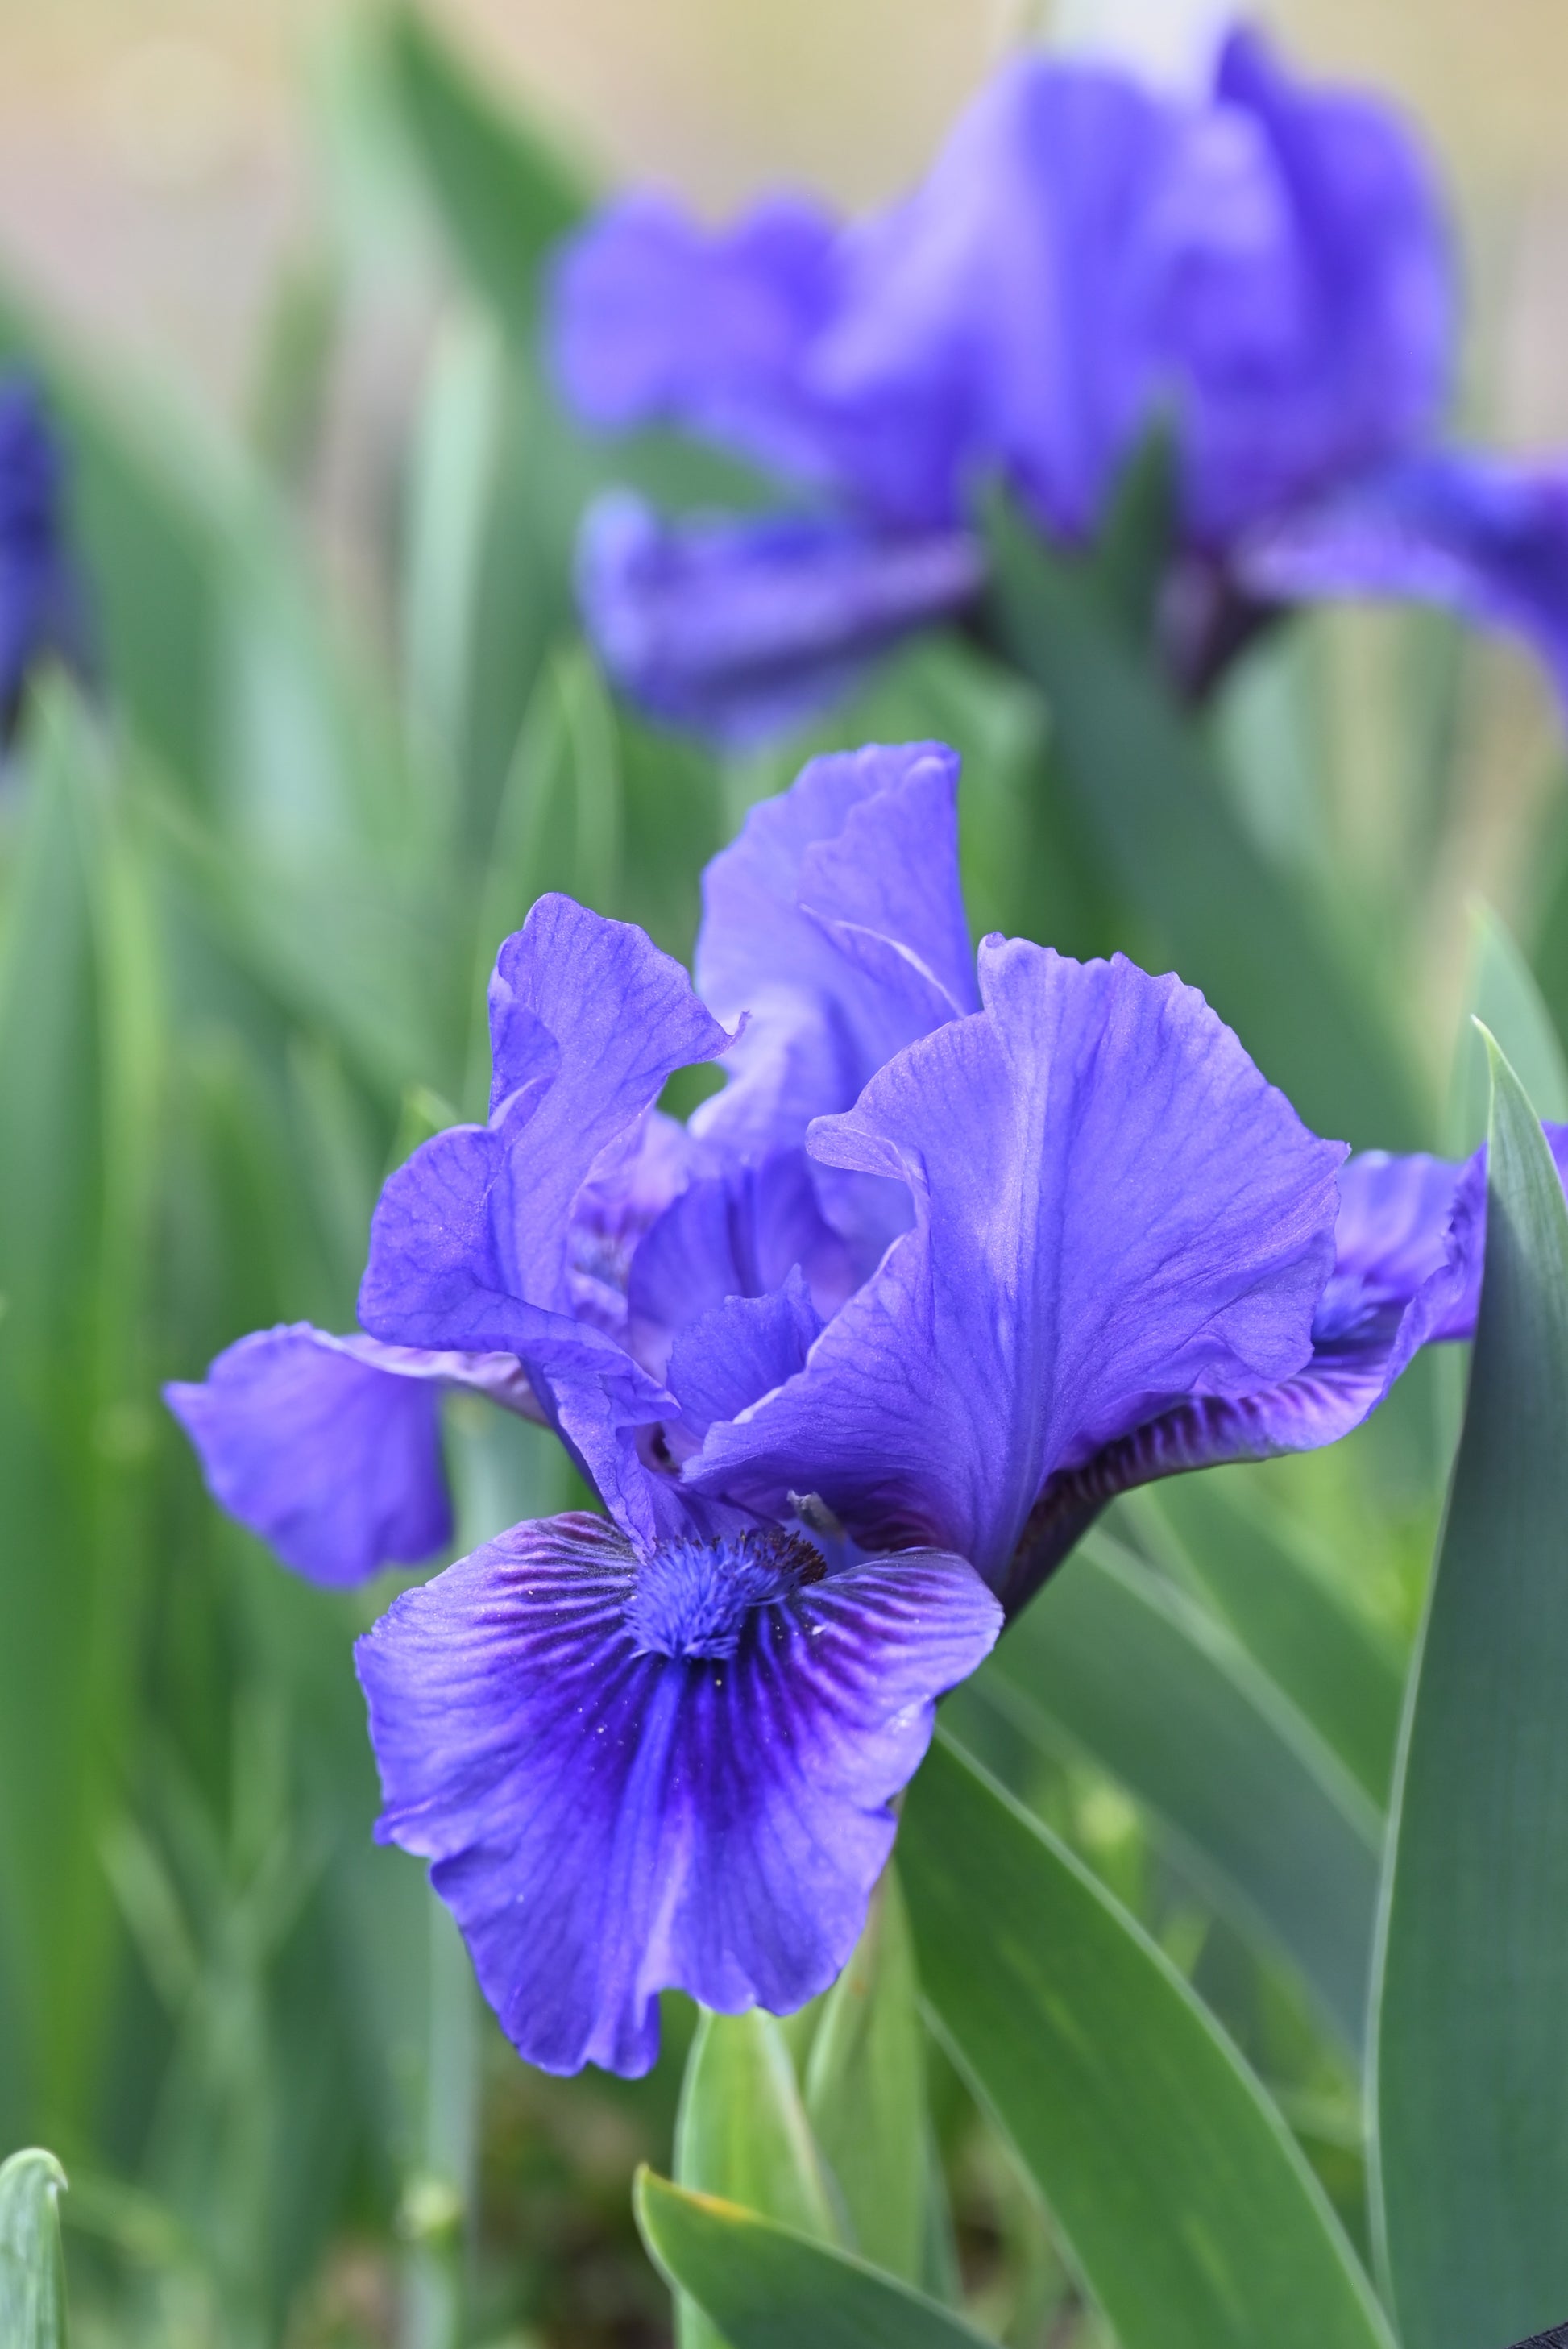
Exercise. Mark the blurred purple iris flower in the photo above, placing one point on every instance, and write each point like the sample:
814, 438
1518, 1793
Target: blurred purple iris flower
41, 608
962, 1248
1266, 272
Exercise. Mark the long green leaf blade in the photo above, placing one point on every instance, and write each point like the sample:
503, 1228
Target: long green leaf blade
1199, 892
1272, 1827
503, 193
31, 2271
1332, 1665
1472, 2022
742, 2133
865, 2090
1504, 997
1179, 2193
79, 1100
769, 2288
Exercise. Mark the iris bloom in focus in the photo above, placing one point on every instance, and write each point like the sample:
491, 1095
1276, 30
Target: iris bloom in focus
1266, 272
963, 1247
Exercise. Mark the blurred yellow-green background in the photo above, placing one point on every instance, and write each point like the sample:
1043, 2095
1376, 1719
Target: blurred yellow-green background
153, 159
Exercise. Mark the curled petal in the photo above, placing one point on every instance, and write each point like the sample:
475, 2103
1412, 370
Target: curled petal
677, 1774
1391, 1237
742, 629
836, 923
627, 1190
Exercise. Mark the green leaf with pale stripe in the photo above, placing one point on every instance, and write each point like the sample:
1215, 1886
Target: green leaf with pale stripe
32, 2272
742, 2133
771, 2288
865, 2090
1471, 2176
81, 1099
1115, 1662
1179, 2193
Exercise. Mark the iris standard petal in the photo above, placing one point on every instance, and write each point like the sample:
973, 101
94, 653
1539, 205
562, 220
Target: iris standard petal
740, 1350
1269, 267
741, 629
1007, 288
737, 1233
1482, 535
836, 923
654, 319
1306, 301
630, 1775
1113, 1210
589, 1019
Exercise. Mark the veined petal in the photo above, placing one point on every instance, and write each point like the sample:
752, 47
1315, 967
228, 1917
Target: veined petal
675, 1773
741, 629
836, 924
1482, 535
588, 1020
1113, 1211
330, 1448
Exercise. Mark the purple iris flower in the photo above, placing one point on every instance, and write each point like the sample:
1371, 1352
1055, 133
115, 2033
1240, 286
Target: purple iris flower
41, 608
962, 1248
1266, 269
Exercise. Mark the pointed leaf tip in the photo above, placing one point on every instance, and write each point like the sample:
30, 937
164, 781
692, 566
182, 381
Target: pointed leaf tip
765, 2286
1473, 2029
31, 2267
